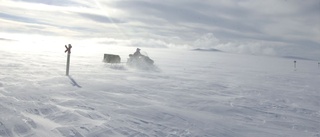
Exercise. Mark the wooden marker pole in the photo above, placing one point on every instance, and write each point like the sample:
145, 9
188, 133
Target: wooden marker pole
68, 49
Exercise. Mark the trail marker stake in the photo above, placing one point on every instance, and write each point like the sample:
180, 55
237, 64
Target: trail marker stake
295, 64
68, 49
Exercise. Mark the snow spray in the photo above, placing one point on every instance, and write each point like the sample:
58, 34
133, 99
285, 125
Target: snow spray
68, 49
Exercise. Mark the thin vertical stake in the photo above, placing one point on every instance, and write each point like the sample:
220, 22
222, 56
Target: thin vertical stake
68, 49
68, 64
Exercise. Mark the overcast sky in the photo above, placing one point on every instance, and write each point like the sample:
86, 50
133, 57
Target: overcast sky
272, 27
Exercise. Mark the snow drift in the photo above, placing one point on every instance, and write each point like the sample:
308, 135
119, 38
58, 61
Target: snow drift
193, 94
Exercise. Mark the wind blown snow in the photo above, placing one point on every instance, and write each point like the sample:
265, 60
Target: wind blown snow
192, 93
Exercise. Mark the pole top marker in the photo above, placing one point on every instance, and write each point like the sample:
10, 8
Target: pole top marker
68, 49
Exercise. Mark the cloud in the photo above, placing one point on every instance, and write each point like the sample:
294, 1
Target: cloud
148, 43
209, 41
244, 26
274, 21
18, 18
100, 18
247, 48
54, 2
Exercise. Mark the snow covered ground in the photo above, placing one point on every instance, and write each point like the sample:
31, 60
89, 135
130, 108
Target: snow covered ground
192, 93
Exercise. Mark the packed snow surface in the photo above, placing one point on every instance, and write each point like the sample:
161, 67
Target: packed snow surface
189, 93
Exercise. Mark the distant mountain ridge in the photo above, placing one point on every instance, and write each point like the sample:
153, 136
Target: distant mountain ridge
210, 50
4, 39
298, 58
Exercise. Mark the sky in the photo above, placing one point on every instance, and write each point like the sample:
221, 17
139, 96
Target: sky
273, 27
